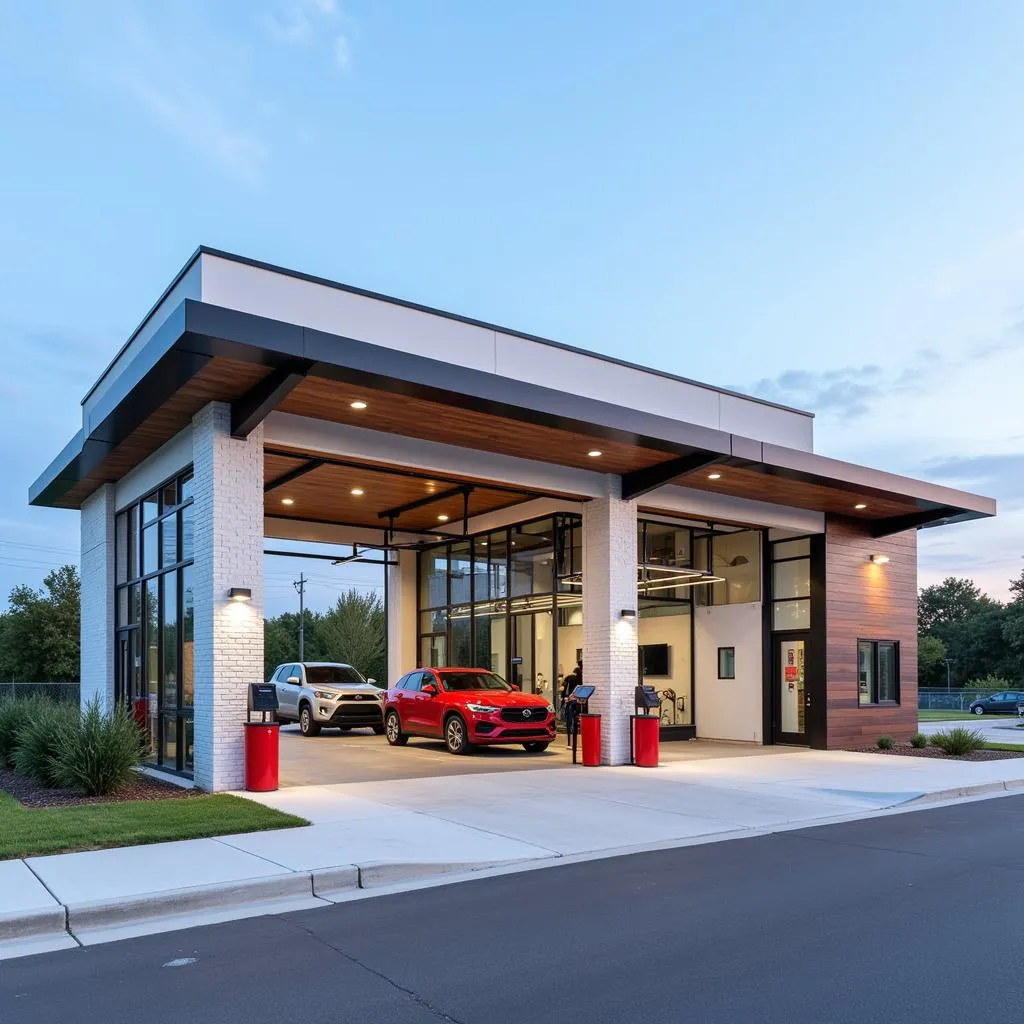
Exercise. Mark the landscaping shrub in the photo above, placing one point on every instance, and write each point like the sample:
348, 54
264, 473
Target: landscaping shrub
46, 732
919, 741
959, 741
886, 743
100, 755
15, 714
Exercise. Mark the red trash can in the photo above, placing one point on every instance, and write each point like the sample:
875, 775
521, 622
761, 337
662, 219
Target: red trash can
261, 756
645, 740
140, 711
590, 739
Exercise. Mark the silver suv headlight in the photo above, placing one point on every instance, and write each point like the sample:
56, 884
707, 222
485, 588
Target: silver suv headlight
325, 695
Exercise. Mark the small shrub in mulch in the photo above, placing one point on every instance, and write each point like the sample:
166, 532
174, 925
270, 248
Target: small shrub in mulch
905, 750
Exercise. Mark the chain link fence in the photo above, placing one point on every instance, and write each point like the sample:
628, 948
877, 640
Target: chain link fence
936, 699
62, 693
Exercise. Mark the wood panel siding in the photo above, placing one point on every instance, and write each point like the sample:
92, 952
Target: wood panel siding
436, 421
742, 482
220, 380
864, 601
325, 495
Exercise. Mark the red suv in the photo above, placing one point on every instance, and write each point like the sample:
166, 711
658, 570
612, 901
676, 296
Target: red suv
466, 707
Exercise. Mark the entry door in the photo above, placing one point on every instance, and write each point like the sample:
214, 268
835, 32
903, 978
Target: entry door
532, 653
792, 692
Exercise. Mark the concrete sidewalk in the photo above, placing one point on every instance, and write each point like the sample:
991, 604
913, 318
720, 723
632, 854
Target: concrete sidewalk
378, 835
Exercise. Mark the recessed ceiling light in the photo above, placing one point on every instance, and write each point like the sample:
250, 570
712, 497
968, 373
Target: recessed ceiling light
287, 501
860, 507
714, 476
357, 492
442, 518
595, 453
357, 404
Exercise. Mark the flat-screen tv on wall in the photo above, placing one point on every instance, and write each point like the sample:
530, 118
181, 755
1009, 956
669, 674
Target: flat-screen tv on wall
654, 659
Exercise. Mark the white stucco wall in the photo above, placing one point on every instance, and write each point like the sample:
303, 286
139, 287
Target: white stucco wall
729, 709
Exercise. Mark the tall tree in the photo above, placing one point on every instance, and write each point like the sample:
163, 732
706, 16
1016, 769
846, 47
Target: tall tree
39, 632
354, 631
931, 661
954, 600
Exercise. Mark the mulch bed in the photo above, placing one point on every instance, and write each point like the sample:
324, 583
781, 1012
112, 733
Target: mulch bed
908, 751
30, 793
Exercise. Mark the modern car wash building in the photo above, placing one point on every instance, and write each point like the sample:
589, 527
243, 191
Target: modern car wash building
536, 504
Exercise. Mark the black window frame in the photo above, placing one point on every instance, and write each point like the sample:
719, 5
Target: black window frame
876, 646
177, 720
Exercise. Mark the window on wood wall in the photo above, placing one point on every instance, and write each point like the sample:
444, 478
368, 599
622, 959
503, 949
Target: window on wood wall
878, 672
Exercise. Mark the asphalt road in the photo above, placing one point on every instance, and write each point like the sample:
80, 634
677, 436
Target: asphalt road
916, 917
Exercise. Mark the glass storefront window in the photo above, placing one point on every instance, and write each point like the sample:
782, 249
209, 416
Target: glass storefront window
737, 558
155, 616
121, 548
150, 547
434, 578
531, 558
791, 615
792, 579
187, 638
460, 567
151, 507
433, 652
185, 528
168, 542
800, 548
169, 640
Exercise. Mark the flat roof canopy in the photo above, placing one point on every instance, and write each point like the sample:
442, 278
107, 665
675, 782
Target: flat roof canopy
202, 352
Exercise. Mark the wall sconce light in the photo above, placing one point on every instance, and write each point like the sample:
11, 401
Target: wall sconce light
628, 613
240, 594
879, 559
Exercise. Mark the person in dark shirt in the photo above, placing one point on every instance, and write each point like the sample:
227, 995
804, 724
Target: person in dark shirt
572, 680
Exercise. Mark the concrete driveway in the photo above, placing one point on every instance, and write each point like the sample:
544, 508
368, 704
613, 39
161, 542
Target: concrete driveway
359, 756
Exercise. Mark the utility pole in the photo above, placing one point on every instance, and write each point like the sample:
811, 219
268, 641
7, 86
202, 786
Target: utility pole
949, 661
300, 586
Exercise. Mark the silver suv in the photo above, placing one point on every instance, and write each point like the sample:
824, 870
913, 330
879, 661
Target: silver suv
319, 694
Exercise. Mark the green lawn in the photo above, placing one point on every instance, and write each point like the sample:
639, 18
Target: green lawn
945, 716
25, 831
1005, 746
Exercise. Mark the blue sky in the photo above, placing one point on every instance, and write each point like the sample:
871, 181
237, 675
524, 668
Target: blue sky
817, 203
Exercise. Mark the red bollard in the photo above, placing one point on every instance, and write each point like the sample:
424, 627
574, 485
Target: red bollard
645, 740
261, 756
590, 738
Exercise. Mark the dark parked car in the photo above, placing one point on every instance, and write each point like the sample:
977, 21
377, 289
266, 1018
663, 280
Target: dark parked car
1004, 703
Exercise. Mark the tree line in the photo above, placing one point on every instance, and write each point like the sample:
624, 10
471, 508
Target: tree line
967, 638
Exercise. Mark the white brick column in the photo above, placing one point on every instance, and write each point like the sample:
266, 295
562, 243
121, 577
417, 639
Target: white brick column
609, 640
401, 612
228, 543
97, 619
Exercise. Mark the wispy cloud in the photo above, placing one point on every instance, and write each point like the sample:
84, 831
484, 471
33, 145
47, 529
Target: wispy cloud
850, 392
310, 22
188, 78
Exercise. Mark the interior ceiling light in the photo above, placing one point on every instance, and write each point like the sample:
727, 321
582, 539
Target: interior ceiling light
595, 453
714, 476
860, 506
357, 404
357, 492
442, 518
287, 501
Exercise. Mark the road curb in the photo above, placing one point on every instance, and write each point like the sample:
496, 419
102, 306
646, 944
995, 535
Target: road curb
106, 920
963, 792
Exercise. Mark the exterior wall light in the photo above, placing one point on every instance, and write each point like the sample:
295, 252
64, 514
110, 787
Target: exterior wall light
240, 594
879, 559
628, 613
